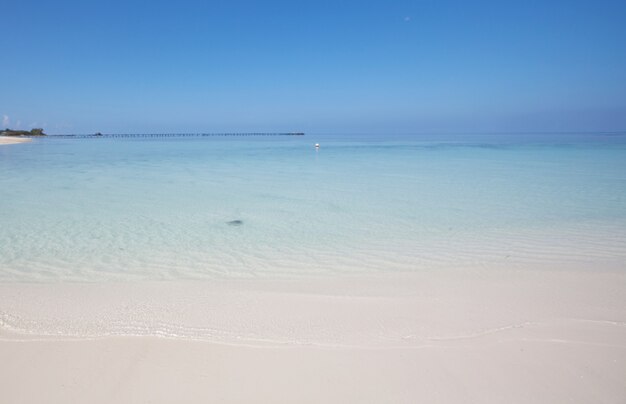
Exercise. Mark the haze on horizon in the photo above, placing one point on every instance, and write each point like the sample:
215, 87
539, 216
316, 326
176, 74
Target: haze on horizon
401, 66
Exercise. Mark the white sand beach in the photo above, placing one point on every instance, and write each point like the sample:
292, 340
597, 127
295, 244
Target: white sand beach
305, 202
14, 140
450, 337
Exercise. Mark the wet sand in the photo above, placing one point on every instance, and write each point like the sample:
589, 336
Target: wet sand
454, 337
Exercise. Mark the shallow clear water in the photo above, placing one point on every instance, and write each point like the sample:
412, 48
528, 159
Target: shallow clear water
100, 209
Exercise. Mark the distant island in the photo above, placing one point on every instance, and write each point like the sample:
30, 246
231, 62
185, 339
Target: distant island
32, 132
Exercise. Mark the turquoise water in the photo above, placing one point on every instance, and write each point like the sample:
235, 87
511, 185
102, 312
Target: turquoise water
125, 209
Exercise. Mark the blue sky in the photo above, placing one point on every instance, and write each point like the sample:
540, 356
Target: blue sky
319, 66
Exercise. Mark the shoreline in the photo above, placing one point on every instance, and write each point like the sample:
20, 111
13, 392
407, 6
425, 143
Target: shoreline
6, 140
156, 370
451, 336
367, 310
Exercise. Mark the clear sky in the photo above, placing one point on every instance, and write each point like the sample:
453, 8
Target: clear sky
313, 66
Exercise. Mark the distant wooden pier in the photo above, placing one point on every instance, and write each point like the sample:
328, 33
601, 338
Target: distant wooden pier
161, 135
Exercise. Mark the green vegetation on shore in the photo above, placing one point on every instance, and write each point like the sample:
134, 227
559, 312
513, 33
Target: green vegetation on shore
32, 132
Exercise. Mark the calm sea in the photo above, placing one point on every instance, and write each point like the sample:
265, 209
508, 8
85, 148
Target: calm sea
207, 207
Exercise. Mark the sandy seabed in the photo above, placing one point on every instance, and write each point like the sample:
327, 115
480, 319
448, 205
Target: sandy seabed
514, 336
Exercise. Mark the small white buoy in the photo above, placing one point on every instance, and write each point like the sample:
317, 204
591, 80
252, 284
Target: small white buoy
317, 145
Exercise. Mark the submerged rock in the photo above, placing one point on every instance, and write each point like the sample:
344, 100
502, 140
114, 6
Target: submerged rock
235, 223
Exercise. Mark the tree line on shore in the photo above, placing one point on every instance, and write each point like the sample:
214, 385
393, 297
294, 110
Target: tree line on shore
32, 132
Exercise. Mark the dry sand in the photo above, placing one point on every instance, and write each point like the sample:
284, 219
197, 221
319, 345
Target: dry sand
13, 140
454, 337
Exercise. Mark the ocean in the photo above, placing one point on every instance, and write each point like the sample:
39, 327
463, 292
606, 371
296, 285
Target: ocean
206, 207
